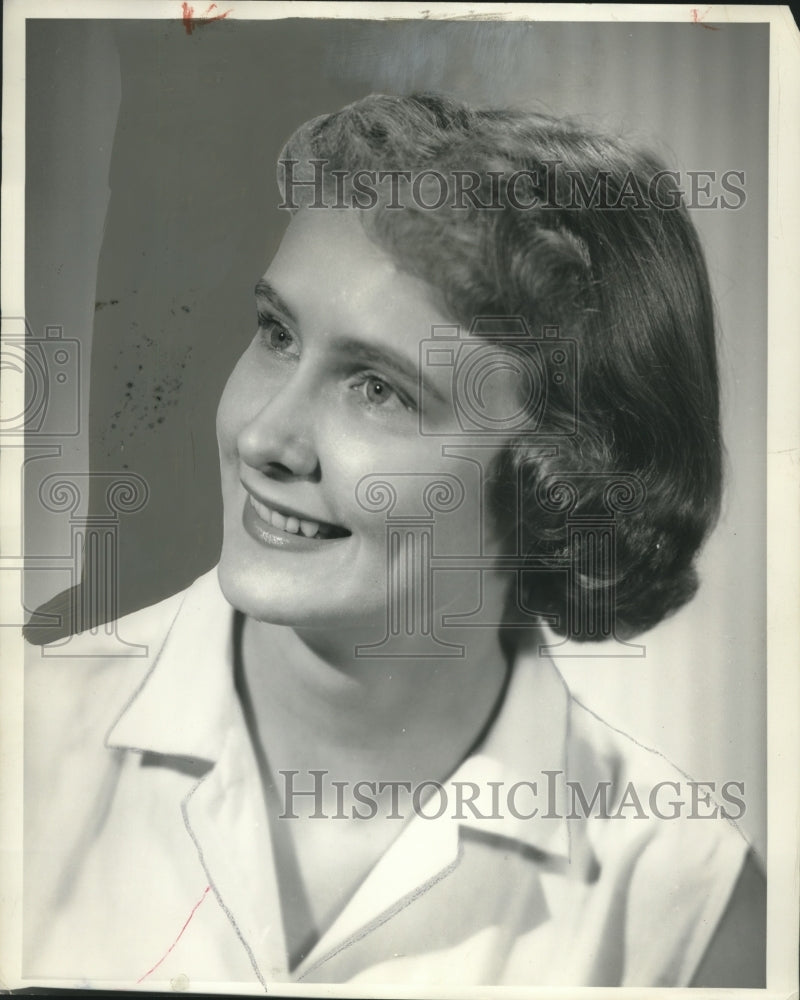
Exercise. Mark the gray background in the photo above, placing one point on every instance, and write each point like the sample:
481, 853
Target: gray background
151, 211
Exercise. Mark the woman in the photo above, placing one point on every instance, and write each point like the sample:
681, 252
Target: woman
482, 396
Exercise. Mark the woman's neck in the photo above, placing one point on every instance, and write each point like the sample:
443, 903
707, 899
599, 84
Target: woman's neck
316, 705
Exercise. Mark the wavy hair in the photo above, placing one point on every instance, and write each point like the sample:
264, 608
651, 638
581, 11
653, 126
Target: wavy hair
622, 274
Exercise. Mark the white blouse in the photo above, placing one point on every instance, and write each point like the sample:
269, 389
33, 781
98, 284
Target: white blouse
148, 858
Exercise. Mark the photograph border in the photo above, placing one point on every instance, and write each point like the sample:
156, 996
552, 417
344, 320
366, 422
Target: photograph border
783, 451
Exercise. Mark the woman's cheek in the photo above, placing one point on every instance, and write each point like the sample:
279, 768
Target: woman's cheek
225, 421
247, 391
229, 411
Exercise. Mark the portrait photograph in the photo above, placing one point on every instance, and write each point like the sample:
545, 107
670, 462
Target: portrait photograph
399, 445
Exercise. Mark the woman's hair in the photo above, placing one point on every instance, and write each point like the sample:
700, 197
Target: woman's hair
571, 229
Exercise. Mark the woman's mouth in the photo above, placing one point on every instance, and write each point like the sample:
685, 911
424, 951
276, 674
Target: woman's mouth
271, 524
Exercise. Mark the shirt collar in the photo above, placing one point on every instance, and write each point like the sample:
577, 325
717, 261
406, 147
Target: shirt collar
187, 703
525, 750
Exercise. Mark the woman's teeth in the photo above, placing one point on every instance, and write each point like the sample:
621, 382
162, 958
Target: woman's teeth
293, 525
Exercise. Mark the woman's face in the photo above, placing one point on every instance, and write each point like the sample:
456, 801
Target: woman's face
328, 392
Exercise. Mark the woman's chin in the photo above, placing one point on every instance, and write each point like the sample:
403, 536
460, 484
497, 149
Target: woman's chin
308, 603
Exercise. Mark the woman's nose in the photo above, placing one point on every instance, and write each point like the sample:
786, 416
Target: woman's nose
279, 439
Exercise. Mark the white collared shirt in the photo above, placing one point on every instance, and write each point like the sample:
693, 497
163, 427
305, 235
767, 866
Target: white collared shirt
148, 857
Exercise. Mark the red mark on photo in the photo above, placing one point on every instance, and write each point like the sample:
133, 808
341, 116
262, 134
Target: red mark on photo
697, 18
190, 22
177, 939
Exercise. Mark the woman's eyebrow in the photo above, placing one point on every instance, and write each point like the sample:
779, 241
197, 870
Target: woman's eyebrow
382, 356
265, 290
386, 358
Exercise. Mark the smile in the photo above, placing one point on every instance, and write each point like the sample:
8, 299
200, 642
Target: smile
285, 529
294, 524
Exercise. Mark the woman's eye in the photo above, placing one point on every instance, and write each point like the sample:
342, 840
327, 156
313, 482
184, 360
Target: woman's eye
376, 391
276, 337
